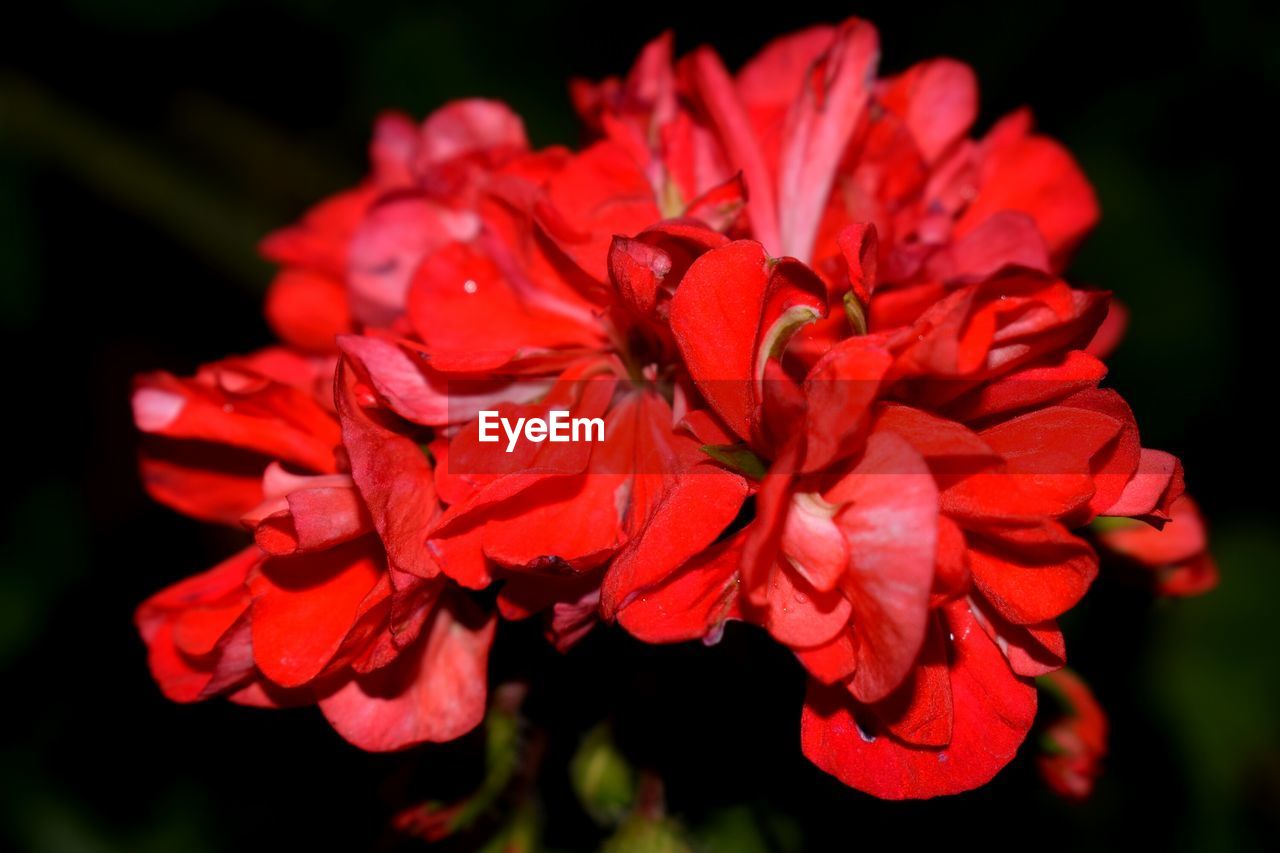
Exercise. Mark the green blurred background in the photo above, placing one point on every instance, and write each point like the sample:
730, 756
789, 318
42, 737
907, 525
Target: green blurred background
146, 146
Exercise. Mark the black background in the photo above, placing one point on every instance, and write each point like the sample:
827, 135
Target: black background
145, 147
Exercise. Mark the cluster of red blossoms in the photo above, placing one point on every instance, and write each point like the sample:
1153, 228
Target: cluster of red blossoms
848, 399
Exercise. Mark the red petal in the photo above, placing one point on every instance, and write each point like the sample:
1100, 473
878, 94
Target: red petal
1147, 493
434, 692
833, 661
691, 603
919, 712
1031, 574
712, 85
816, 133
938, 101
889, 519
304, 608
471, 126
859, 245
840, 390
387, 248
307, 309
694, 509
394, 477
462, 298
1033, 174
735, 309
992, 713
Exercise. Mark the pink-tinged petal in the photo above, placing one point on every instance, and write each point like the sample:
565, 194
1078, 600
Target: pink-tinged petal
316, 518
938, 101
1032, 650
768, 83
232, 659
816, 133
713, 87
799, 616
889, 519
304, 607
395, 140
1006, 239
468, 127
403, 377
1147, 492
393, 474
992, 712
434, 692
1031, 574
390, 243
406, 386
572, 619
813, 543
570, 604
260, 693
1194, 577
1178, 541
646, 97
225, 405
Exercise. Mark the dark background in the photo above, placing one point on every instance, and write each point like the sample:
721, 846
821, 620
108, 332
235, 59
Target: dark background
145, 146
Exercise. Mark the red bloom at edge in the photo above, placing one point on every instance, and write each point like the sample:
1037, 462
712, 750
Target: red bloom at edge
848, 397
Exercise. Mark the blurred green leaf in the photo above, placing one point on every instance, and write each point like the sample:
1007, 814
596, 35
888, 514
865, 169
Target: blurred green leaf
1215, 677
602, 778
222, 228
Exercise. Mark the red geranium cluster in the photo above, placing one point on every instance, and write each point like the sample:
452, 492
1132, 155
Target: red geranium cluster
847, 399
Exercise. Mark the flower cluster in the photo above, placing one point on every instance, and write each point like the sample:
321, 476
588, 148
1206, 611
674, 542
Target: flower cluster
848, 399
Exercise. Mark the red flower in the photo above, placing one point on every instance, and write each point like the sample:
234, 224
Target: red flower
336, 603
1074, 744
847, 398
879, 522
351, 258
821, 144
1173, 559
